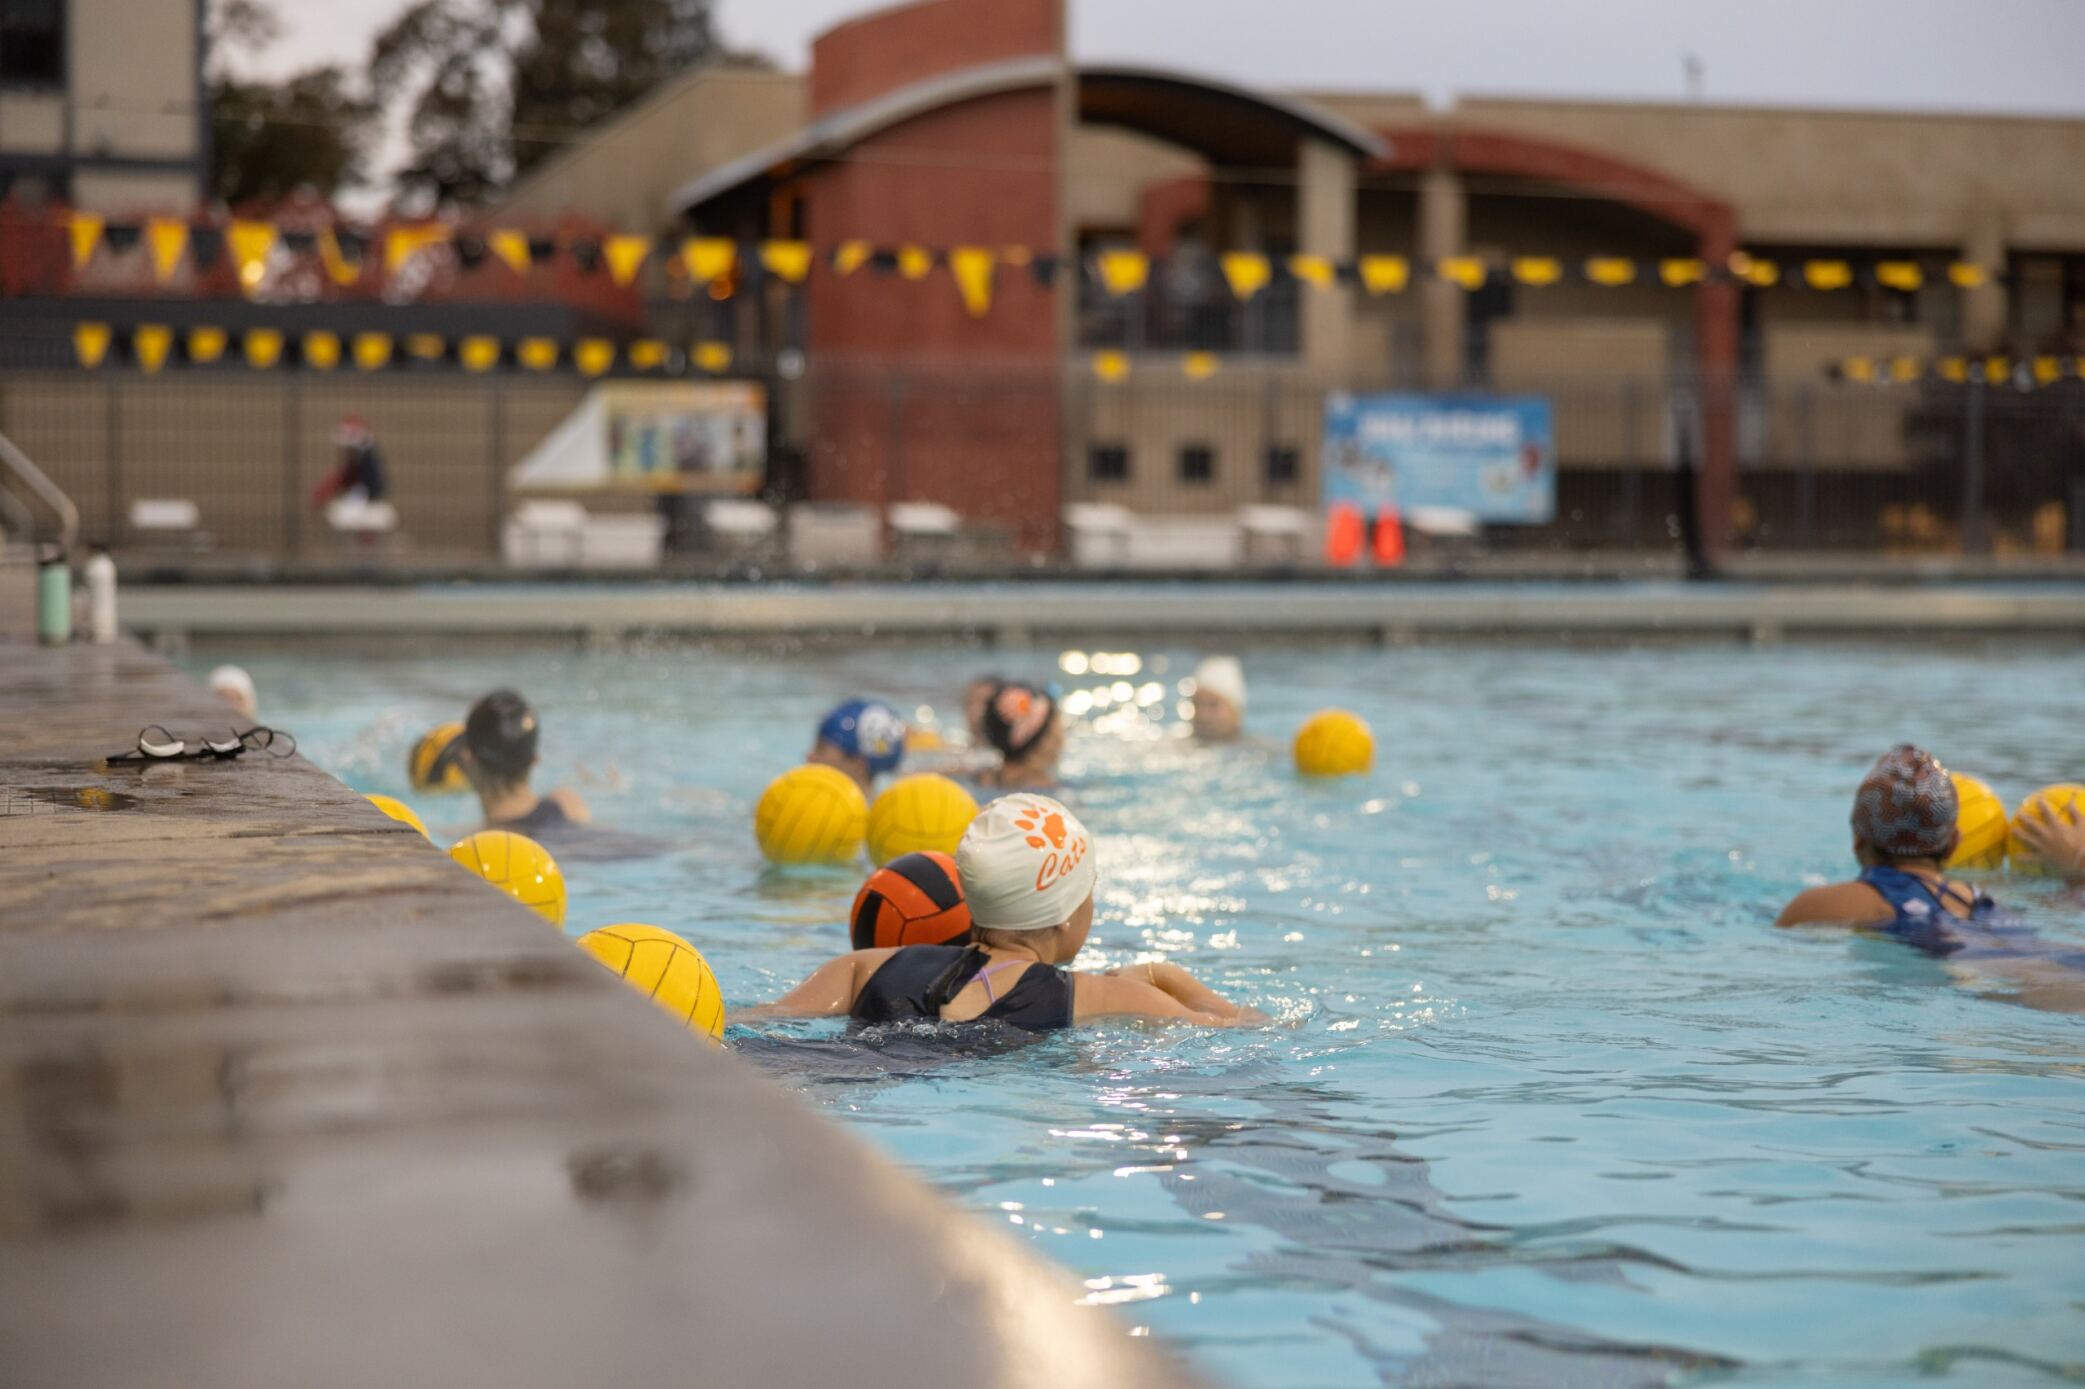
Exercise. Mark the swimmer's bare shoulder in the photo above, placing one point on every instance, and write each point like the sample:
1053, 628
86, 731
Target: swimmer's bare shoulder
574, 807
1155, 991
1835, 904
829, 992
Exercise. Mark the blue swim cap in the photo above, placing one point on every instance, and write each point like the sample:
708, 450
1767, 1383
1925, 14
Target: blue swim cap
866, 729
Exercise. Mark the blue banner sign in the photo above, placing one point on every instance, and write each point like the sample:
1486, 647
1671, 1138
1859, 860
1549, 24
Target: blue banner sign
1491, 456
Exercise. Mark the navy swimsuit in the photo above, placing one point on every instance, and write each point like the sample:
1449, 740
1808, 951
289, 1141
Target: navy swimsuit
918, 981
548, 815
1990, 931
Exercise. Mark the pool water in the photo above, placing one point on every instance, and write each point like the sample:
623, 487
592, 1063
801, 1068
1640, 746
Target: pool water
1548, 1102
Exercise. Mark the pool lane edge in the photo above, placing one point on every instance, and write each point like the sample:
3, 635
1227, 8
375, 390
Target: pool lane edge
313, 1106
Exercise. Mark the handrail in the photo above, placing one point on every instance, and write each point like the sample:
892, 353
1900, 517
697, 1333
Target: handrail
32, 477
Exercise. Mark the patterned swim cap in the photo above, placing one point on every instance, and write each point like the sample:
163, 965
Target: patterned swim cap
1906, 805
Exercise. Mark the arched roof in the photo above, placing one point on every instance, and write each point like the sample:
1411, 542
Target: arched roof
1224, 123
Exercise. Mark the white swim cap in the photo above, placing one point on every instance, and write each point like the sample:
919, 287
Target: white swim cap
1026, 864
234, 684
1223, 676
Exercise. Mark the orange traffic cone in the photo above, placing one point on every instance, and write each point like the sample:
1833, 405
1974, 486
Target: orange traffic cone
1389, 539
1346, 532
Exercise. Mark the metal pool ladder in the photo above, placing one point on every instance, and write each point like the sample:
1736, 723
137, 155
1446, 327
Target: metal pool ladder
19, 476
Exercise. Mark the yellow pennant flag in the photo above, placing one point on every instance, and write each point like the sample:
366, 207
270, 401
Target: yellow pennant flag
851, 256
1537, 270
1466, 271
1901, 275
1199, 366
625, 255
1827, 274
1753, 271
647, 354
401, 244
2048, 370
1111, 366
1315, 271
511, 247
86, 235
1861, 369
537, 354
593, 355
168, 238
709, 259
206, 345
712, 356
372, 351
1967, 275
152, 342
974, 268
1385, 274
263, 348
1611, 271
426, 347
1246, 272
1954, 369
1124, 272
914, 262
339, 268
1682, 270
321, 350
1997, 368
789, 261
91, 342
478, 353
1904, 369
250, 244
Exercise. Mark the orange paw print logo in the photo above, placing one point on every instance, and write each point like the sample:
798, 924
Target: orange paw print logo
1045, 828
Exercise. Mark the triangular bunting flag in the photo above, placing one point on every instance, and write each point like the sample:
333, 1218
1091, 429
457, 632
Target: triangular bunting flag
511, 247
1967, 275
625, 256
537, 354
850, 256
709, 259
914, 262
1466, 271
1315, 271
974, 268
1537, 270
151, 342
263, 348
1199, 366
90, 341
585, 253
712, 356
647, 354
251, 244
1827, 274
1246, 272
478, 353
1385, 274
1111, 366
206, 345
342, 267
1611, 271
789, 261
1044, 269
204, 244
401, 244
86, 235
1760, 273
372, 351
426, 347
1901, 275
321, 351
593, 355
167, 238
1681, 270
1123, 272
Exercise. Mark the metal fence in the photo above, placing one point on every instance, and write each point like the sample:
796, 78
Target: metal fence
1931, 468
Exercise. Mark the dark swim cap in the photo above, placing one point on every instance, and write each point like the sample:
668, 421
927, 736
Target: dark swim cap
1906, 806
1017, 717
501, 735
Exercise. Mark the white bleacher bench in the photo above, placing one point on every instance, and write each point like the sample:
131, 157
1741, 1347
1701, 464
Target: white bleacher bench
562, 534
174, 521
1097, 534
834, 533
1275, 535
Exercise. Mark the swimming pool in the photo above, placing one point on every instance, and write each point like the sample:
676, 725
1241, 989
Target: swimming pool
1550, 1103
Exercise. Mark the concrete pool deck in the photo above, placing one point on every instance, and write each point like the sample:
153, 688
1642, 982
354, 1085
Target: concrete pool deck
287, 1098
1046, 609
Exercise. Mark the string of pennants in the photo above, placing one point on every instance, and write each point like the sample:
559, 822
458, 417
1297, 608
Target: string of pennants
721, 264
2022, 373
153, 346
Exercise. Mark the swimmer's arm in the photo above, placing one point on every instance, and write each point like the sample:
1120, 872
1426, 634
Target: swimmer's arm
575, 809
1835, 904
2058, 840
1170, 979
828, 993
1115, 996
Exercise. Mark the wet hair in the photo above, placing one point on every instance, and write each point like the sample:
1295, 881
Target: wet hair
500, 735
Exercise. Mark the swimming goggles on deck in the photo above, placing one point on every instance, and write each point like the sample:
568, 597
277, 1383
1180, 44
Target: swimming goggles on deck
155, 744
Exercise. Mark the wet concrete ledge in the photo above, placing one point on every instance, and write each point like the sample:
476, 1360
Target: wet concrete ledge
1024, 611
286, 1099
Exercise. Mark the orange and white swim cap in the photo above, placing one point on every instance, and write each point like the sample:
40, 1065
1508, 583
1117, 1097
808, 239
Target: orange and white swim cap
1026, 864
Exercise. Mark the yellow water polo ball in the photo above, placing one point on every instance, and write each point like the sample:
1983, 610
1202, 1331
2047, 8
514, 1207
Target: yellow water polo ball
1333, 742
2055, 799
811, 814
918, 813
517, 866
399, 811
1980, 820
435, 764
665, 969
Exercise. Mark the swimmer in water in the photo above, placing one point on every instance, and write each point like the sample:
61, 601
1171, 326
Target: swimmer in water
863, 738
977, 697
1219, 700
498, 754
1026, 727
235, 687
1903, 831
1028, 872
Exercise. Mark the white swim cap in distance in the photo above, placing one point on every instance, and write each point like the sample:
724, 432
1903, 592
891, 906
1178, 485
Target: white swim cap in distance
1223, 676
1026, 864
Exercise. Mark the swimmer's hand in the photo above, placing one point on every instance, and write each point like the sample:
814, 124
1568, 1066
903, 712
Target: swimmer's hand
2056, 838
